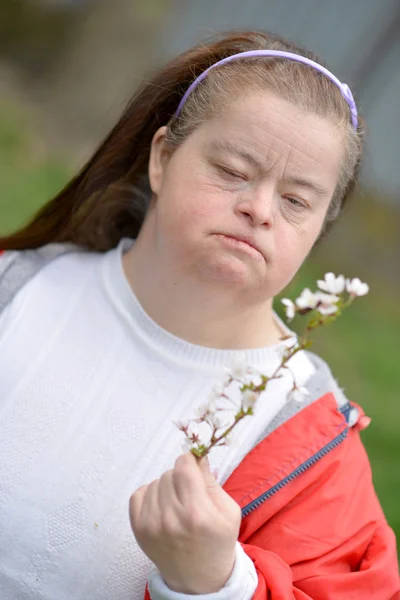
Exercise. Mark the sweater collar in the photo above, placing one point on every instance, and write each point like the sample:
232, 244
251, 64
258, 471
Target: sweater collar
162, 341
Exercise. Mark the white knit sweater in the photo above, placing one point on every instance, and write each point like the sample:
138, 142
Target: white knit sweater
89, 389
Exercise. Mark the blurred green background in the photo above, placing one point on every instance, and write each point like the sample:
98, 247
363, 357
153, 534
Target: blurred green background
52, 115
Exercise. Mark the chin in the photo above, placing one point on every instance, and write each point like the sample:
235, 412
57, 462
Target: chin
229, 270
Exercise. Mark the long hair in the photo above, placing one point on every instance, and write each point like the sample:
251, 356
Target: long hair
108, 199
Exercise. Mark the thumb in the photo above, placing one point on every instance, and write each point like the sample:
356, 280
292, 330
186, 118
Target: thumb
219, 497
209, 478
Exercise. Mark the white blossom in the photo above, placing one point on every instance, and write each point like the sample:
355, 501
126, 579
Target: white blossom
213, 396
292, 343
326, 298
231, 439
249, 398
219, 388
238, 366
186, 445
327, 303
287, 347
202, 410
332, 284
218, 421
298, 393
182, 425
207, 408
355, 287
192, 437
211, 414
328, 309
193, 429
290, 308
307, 299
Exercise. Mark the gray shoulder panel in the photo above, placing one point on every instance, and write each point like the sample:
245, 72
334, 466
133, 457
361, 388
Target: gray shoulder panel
321, 383
18, 266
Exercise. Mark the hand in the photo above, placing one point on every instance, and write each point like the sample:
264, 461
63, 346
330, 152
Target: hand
188, 526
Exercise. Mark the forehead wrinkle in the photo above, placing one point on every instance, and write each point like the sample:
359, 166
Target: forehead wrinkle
300, 146
263, 164
291, 176
286, 163
266, 157
271, 160
270, 127
231, 148
275, 158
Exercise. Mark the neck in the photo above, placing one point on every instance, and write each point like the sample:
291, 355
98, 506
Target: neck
195, 312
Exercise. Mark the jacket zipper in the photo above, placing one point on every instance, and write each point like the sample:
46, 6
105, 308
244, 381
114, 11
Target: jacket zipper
301, 469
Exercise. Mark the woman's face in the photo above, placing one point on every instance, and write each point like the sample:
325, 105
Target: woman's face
264, 173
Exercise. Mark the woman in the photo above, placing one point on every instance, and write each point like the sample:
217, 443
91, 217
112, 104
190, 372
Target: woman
124, 298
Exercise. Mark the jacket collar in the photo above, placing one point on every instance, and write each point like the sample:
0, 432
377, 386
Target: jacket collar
286, 453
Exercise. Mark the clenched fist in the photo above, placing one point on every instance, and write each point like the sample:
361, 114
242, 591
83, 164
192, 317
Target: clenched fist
188, 526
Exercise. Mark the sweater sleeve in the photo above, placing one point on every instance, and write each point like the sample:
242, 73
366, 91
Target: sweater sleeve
240, 586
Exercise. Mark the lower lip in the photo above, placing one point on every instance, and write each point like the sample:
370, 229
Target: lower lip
240, 245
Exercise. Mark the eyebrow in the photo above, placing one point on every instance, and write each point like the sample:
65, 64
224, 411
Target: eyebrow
308, 183
229, 148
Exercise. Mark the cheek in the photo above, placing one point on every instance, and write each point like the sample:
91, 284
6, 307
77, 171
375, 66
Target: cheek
293, 246
190, 202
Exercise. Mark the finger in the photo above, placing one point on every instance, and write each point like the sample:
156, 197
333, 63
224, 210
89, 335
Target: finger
167, 495
209, 478
151, 509
136, 502
173, 511
188, 480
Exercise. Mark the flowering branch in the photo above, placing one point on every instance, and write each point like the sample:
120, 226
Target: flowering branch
324, 306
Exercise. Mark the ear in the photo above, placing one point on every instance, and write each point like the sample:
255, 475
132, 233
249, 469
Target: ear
159, 156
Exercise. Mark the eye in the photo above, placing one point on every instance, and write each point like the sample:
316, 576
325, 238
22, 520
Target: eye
295, 202
229, 173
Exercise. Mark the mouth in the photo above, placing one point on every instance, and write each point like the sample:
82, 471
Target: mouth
242, 243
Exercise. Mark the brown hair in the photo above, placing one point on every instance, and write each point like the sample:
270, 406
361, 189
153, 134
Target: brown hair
108, 199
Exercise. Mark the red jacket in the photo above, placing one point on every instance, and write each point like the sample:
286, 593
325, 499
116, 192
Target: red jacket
312, 523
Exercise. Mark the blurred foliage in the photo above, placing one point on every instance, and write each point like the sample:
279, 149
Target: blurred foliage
27, 176
361, 348
33, 34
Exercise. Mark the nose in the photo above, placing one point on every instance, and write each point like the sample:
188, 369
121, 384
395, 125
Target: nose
257, 206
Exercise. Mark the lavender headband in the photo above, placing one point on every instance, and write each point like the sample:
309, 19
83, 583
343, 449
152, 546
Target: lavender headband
345, 90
